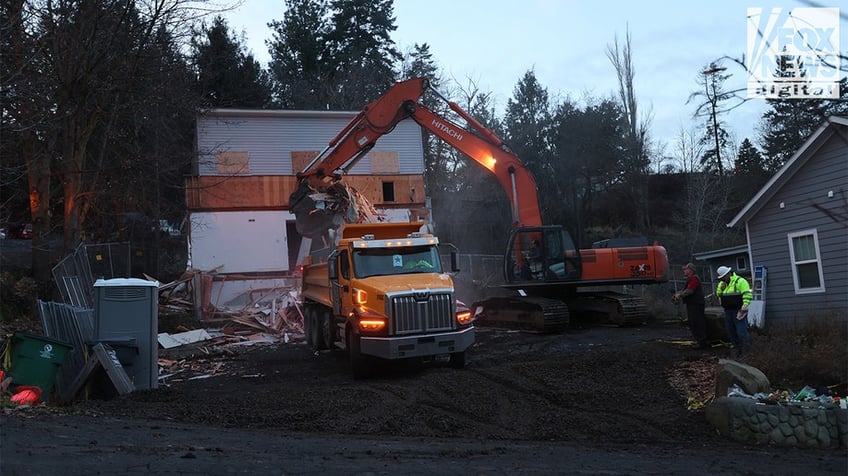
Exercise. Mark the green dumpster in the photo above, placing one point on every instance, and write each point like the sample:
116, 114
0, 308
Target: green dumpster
35, 361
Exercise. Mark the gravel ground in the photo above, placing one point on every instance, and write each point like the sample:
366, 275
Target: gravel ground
603, 399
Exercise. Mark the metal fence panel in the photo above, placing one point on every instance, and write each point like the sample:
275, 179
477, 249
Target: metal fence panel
74, 276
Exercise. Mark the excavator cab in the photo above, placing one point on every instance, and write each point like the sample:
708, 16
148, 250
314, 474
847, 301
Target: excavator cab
541, 254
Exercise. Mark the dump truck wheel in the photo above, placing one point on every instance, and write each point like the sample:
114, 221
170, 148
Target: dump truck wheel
317, 333
308, 324
327, 325
358, 362
314, 334
457, 360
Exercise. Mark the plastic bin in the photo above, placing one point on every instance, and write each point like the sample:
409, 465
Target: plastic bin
35, 360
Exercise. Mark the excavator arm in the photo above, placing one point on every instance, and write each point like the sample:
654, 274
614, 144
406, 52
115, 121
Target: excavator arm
401, 102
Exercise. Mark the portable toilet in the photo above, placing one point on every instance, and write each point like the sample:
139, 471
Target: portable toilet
126, 316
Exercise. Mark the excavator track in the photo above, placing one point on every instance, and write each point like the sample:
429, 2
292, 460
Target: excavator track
535, 314
611, 307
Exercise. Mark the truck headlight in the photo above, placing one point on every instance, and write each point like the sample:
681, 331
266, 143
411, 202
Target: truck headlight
370, 322
372, 325
464, 316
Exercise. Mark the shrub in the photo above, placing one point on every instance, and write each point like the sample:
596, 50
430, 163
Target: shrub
17, 295
812, 351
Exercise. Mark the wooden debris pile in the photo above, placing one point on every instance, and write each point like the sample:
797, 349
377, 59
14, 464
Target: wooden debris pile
271, 314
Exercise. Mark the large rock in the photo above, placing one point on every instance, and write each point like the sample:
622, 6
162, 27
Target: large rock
749, 379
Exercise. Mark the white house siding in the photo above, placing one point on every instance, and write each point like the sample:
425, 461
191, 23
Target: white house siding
270, 137
825, 171
240, 241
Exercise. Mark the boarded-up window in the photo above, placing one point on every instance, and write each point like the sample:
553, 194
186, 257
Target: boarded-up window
384, 162
233, 162
301, 158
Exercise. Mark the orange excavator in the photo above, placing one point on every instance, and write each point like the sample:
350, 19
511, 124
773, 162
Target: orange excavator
550, 277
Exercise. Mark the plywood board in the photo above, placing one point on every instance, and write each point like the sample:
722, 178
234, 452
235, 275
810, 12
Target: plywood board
233, 162
273, 191
384, 162
250, 192
301, 158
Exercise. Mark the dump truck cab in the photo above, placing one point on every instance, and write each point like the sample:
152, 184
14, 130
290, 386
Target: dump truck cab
383, 292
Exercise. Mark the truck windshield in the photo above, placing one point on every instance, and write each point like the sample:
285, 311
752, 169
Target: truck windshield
387, 261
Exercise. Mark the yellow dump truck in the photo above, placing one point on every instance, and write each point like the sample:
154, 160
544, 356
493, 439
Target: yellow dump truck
382, 292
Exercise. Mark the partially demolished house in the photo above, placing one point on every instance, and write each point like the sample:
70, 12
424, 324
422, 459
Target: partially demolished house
243, 242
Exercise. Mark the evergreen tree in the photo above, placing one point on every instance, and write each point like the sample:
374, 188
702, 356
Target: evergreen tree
749, 160
715, 138
300, 65
419, 63
588, 144
749, 175
438, 156
361, 51
789, 122
227, 76
527, 122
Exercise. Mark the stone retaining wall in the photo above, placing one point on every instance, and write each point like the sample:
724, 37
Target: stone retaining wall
803, 424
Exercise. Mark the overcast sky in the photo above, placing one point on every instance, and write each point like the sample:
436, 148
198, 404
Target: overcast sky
494, 42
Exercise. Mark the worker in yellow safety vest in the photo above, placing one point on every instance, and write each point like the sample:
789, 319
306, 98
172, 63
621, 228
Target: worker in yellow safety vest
735, 295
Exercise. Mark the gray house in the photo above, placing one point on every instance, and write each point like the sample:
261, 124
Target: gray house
797, 228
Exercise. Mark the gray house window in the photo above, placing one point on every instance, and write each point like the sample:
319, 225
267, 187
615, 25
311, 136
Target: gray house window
741, 263
806, 262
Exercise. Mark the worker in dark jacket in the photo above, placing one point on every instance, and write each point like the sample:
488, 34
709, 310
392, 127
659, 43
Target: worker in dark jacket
693, 296
735, 295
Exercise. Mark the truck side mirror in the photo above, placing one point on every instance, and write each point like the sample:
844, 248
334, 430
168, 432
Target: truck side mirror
333, 265
454, 259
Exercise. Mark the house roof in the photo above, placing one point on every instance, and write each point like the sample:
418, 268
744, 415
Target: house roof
733, 250
789, 169
223, 112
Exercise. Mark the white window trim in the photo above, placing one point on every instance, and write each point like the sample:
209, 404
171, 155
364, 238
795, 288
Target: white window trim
794, 263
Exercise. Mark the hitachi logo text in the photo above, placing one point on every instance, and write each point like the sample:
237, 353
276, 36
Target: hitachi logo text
448, 130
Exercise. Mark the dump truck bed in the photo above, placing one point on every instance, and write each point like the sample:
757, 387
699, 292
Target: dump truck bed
316, 284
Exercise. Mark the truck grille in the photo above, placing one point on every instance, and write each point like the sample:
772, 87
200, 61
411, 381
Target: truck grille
410, 314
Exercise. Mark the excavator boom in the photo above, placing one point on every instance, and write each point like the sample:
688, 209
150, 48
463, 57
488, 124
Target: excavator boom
401, 102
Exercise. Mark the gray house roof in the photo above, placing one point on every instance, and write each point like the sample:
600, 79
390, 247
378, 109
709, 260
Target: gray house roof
792, 166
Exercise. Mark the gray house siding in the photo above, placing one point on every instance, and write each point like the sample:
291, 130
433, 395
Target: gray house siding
270, 137
805, 206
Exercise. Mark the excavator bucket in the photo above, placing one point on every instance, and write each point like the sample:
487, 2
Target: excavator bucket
317, 211
312, 215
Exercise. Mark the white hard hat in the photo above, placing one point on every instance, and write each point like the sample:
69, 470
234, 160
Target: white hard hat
722, 271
